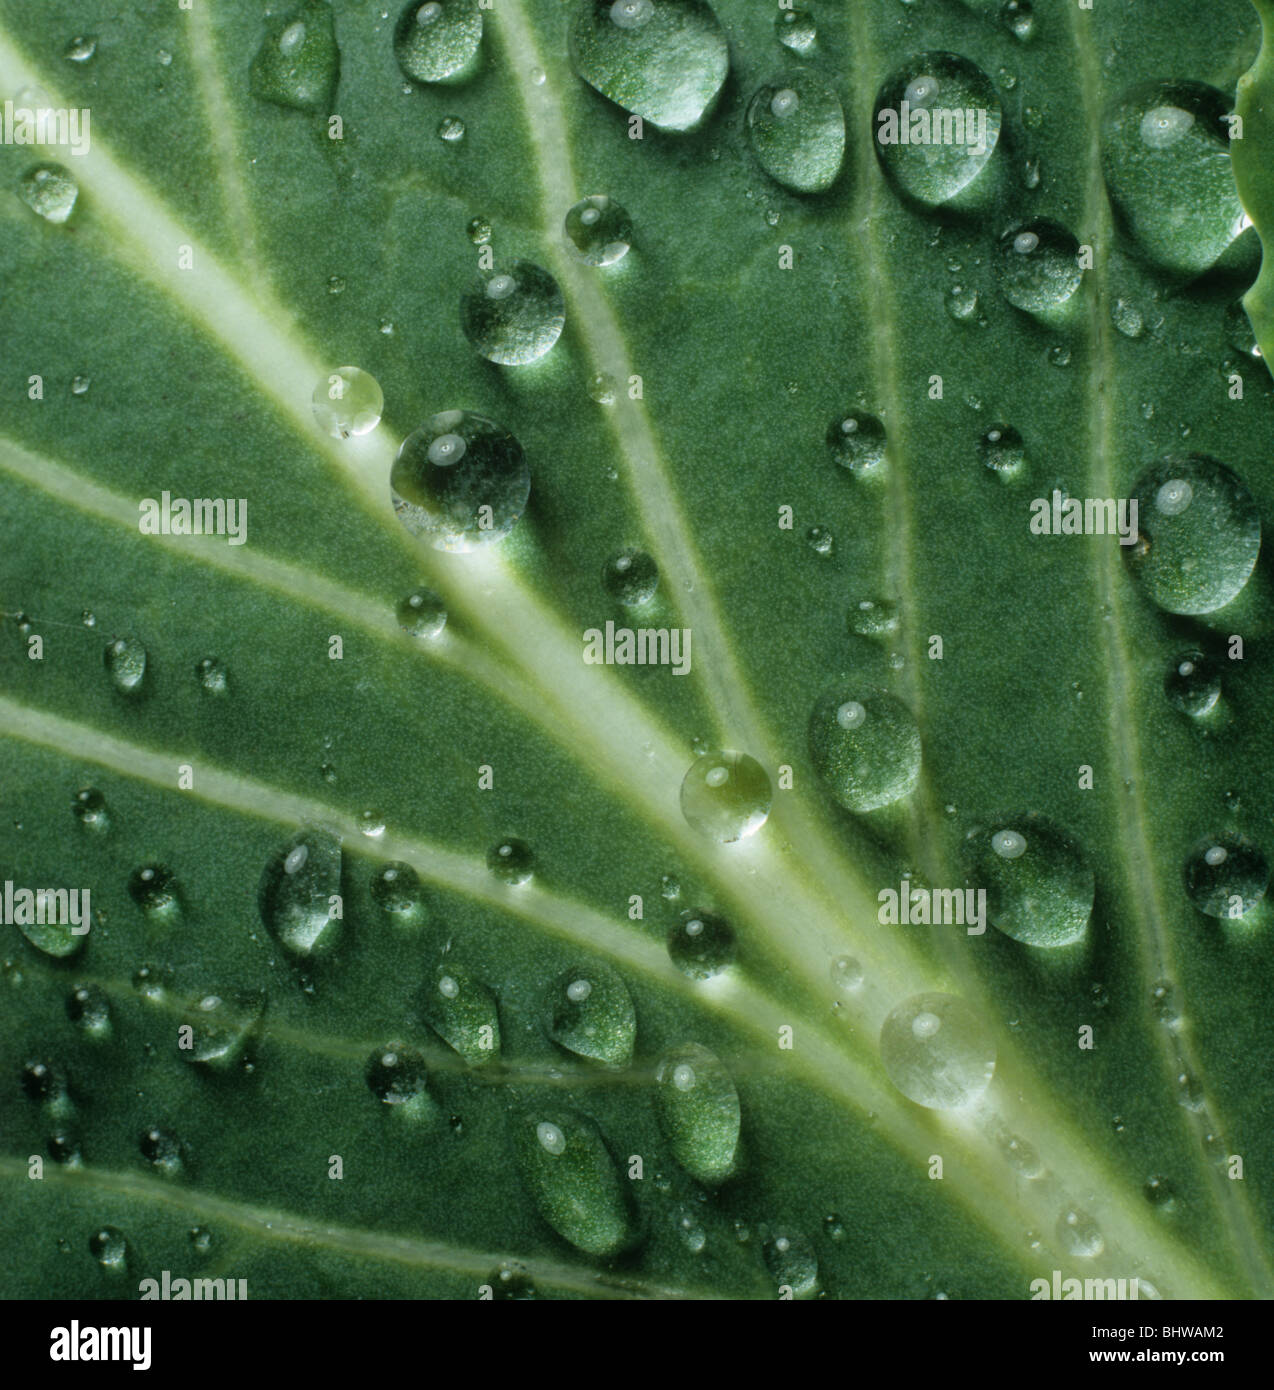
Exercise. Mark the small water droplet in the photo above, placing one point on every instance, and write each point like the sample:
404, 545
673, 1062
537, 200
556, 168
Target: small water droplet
51, 191
512, 861
109, 1248
153, 887
90, 809
1018, 18
348, 401
1038, 883
125, 660
630, 577
1193, 683
1002, 449
598, 230
300, 893
937, 1051
796, 30
867, 760
89, 1008
515, 316
701, 944
397, 1076
451, 129
298, 62
1038, 267
726, 795
81, 48
213, 677
589, 1011
1226, 875
1079, 1235
857, 442
797, 132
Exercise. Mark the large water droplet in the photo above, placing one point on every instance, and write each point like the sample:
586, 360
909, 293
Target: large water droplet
1193, 683
795, 29
125, 659
630, 578
937, 1051
590, 1013
1039, 887
438, 41
726, 795
298, 62
1199, 534
1226, 875
300, 891
45, 918
663, 60
573, 1178
797, 132
599, 230
950, 121
866, 746
701, 944
698, 1109
514, 317
51, 191
1038, 266
348, 401
461, 481
1166, 158
463, 1012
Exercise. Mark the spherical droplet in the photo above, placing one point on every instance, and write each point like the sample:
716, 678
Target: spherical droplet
1019, 18
512, 861
479, 231
422, 613
726, 795
857, 442
395, 889
961, 302
461, 481
398, 1076
165, 1153
125, 660
698, 1110
1192, 683
90, 809
300, 893
109, 1248
220, 1029
463, 1012
1038, 266
950, 122
439, 40
797, 132
1166, 159
81, 48
865, 746
1079, 1235
792, 1263
847, 973
1226, 875
51, 191
796, 29
451, 129
1039, 886
1002, 449
348, 401
1199, 534
298, 62
153, 887
701, 944
514, 317
873, 617
947, 1061
89, 1008
663, 60
589, 1011
630, 577
599, 230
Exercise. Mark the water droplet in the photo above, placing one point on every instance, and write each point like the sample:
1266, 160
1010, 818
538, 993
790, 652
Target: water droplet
1159, 1192
165, 1153
479, 231
88, 1007
514, 317
439, 40
590, 1013
45, 1085
213, 677
867, 760
464, 1014
422, 613
663, 60
1166, 158
940, 89
50, 191
792, 1264
961, 302
511, 1281
573, 1179
946, 1063
1079, 1235
1022, 1156
125, 659
701, 945
220, 1029
80, 385
670, 888
1002, 449
1199, 534
847, 973
599, 230
451, 129
1059, 355
81, 48
1239, 332
1038, 266
395, 888
1193, 683
512, 861
298, 62
821, 541
153, 887
372, 824
397, 1076
797, 132
90, 809
857, 442
1226, 875
300, 890
698, 1110
1127, 318
726, 795
348, 401
1019, 18
796, 29
630, 578
1039, 886
109, 1248
873, 617
601, 388
461, 481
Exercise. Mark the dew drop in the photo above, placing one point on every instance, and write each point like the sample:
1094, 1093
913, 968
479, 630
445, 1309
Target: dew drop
867, 760
847, 973
599, 231
1018, 18
220, 1029
510, 1282
857, 442
81, 48
300, 889
461, 481
1239, 331
125, 660
601, 388
422, 614
1079, 1235
820, 540
873, 617
512, 861
1039, 886
589, 1011
797, 133
1002, 449
514, 317
479, 231
90, 809
451, 129
165, 1153
348, 401
1226, 875
698, 1110
1127, 318
630, 577
298, 62
792, 1264
961, 302
796, 29
51, 191
1193, 683
1038, 267
398, 1076
945, 1062
109, 1248
153, 887
89, 1008
464, 1014
438, 41
726, 795
701, 944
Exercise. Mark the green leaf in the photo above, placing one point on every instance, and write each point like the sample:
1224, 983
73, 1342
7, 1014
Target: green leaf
810, 416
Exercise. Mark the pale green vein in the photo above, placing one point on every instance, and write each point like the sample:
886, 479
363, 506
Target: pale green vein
1143, 895
273, 1226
